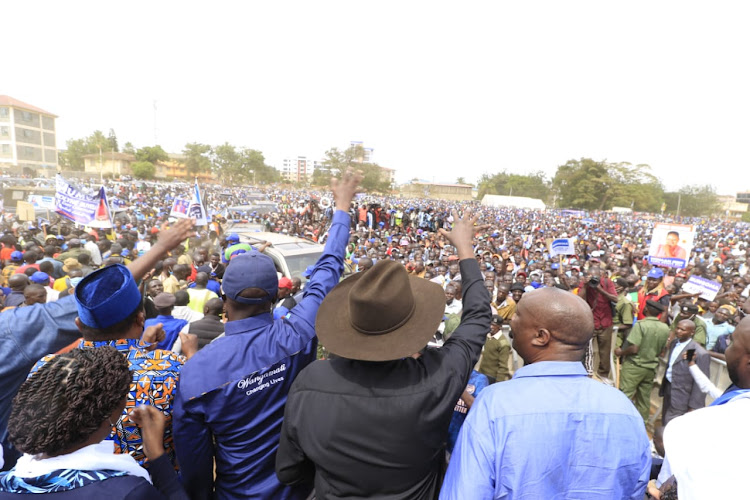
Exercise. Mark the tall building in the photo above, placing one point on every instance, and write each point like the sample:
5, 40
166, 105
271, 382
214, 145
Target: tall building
368, 152
298, 169
28, 144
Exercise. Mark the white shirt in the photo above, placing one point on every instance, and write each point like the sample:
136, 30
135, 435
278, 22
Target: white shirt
96, 255
676, 353
52, 294
710, 468
454, 307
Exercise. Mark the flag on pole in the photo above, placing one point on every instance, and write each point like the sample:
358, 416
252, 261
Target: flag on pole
196, 210
103, 216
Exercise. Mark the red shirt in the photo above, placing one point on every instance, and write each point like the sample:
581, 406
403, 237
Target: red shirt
600, 305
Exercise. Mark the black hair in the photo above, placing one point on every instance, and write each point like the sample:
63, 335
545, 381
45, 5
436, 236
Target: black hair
67, 399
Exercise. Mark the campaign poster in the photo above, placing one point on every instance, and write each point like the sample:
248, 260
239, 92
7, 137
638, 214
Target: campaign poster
708, 289
671, 245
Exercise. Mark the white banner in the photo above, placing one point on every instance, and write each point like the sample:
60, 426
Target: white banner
562, 246
708, 289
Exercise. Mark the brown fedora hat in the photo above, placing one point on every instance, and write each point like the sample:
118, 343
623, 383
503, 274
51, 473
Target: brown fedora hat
380, 315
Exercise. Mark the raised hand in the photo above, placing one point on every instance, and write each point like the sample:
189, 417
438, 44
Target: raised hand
462, 233
345, 188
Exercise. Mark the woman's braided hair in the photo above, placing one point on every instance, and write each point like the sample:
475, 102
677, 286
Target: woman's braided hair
67, 399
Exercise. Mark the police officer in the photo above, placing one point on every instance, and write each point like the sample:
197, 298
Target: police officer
641, 351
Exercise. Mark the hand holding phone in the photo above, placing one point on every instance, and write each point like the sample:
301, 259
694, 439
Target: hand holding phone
690, 354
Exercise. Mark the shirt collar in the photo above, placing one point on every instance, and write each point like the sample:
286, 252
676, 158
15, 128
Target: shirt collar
119, 344
261, 321
552, 368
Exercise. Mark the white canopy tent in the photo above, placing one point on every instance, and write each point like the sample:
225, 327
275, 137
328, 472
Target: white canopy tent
498, 201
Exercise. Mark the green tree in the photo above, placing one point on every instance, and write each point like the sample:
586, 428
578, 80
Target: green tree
76, 149
336, 162
112, 139
533, 185
321, 176
72, 157
599, 185
227, 163
254, 167
143, 169
129, 148
197, 157
151, 154
693, 201
460, 180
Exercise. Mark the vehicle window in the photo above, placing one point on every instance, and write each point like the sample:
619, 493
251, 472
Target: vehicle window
298, 263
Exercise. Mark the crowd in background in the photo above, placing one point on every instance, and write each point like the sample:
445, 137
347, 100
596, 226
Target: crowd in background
182, 291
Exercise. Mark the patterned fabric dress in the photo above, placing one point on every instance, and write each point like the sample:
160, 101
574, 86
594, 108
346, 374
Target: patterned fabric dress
155, 377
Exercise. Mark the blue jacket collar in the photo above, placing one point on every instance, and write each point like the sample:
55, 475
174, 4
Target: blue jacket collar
247, 324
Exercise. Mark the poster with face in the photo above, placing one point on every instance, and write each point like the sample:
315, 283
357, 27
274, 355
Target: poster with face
671, 245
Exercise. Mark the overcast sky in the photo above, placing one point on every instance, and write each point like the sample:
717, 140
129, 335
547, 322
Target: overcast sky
438, 89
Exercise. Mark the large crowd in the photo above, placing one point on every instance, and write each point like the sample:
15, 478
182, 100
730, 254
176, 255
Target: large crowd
462, 359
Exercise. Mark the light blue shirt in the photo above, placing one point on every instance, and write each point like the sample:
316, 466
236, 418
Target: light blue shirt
714, 331
550, 432
675, 355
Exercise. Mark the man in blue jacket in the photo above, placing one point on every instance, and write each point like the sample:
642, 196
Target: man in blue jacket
230, 405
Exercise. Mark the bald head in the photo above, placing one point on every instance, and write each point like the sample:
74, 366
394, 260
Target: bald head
552, 325
738, 355
364, 264
214, 307
18, 282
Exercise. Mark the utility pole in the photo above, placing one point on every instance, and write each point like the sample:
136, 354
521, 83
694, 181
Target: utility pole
679, 200
155, 141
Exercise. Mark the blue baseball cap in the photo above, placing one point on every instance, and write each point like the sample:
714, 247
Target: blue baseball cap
16, 255
233, 237
250, 270
655, 273
39, 277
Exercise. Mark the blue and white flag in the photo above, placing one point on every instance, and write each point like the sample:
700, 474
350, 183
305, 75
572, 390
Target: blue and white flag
196, 210
563, 246
81, 208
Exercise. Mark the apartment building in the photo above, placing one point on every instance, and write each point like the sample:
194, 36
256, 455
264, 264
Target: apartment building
28, 144
298, 169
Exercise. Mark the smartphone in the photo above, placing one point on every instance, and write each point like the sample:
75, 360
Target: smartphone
690, 354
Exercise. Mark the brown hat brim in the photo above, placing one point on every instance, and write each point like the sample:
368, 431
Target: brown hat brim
336, 333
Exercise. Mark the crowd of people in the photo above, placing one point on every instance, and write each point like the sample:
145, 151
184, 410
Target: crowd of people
160, 359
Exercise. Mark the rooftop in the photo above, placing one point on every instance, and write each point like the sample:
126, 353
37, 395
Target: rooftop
6, 100
109, 155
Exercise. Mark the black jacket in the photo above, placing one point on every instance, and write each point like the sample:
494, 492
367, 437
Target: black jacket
378, 429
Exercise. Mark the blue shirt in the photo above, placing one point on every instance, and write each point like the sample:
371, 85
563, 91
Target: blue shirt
550, 432
27, 334
233, 392
171, 326
477, 382
713, 332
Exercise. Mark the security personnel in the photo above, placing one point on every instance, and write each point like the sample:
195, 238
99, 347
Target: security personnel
496, 353
644, 344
